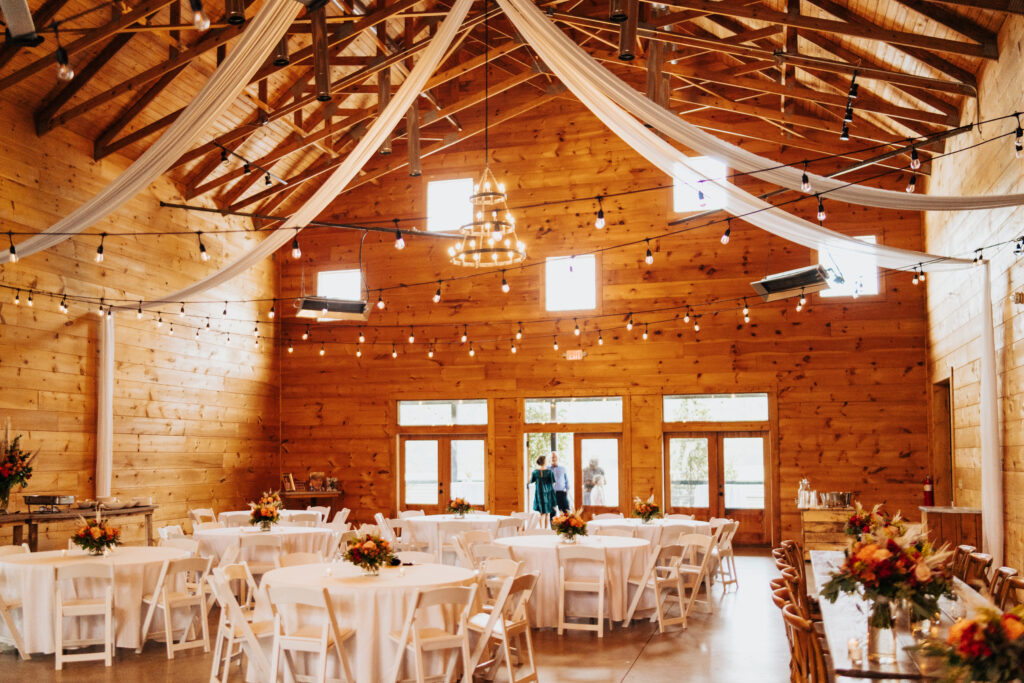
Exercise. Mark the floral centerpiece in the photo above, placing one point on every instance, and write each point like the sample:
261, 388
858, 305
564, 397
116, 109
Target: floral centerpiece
987, 647
459, 506
96, 535
266, 511
876, 522
888, 570
646, 510
15, 466
369, 552
569, 525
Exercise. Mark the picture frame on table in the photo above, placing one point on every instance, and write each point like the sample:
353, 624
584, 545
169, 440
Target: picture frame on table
287, 482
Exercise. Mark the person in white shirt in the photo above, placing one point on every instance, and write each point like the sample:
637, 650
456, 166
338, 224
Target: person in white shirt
561, 484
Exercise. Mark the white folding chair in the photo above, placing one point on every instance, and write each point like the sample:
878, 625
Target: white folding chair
246, 592
291, 606
295, 559
464, 543
623, 532
571, 559
402, 533
200, 515
368, 529
505, 623
726, 556
660, 576
324, 510
406, 514
608, 515
251, 546
694, 568
680, 516
14, 549
511, 526
490, 577
489, 551
203, 526
15, 603
170, 531
338, 541
234, 628
181, 585
181, 543
340, 519
95, 572
455, 603
529, 519
307, 519
447, 535
416, 557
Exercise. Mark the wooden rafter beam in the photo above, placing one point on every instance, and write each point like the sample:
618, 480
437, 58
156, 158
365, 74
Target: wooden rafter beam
105, 144
40, 18
952, 20
868, 31
98, 35
1008, 6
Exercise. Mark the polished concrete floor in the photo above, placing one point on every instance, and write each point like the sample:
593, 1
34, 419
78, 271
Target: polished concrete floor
742, 641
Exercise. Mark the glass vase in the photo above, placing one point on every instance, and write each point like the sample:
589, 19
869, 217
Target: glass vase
881, 634
568, 539
370, 570
265, 525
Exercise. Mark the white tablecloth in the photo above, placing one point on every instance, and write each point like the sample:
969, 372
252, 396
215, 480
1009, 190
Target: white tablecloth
31, 578
213, 542
670, 528
539, 554
372, 605
241, 517
424, 529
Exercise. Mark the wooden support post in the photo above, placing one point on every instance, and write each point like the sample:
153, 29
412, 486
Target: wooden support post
321, 61
627, 32
412, 129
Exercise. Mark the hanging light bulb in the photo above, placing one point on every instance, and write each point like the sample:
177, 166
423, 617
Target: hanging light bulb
199, 18
915, 160
576, 330
160, 321
296, 252
380, 300
181, 313
323, 349
362, 338
649, 256
394, 351
555, 344
291, 348
848, 116
430, 352
512, 346
110, 309
629, 323
99, 249
504, 284
225, 311
472, 351
207, 323
64, 70
644, 335
728, 231
805, 181
686, 316
63, 304
17, 299
170, 329
138, 313
746, 308
271, 313
29, 301
437, 293
305, 333
920, 273
844, 134
359, 352
821, 210
519, 332
914, 280
803, 299
12, 251
600, 339
599, 222
696, 325
465, 333
412, 336
399, 240
912, 184
1018, 141
202, 248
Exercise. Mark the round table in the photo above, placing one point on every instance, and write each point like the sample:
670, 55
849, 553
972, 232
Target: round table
624, 556
31, 578
213, 542
425, 528
234, 518
372, 605
659, 530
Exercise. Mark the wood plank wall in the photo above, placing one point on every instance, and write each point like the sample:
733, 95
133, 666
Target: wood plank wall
195, 421
954, 299
849, 376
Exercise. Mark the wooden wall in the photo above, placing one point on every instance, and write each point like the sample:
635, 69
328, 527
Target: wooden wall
195, 421
954, 299
849, 376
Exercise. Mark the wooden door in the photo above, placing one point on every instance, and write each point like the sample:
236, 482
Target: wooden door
437, 468
598, 483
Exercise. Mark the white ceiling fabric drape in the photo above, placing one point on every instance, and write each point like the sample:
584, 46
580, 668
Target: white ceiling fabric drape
557, 51
747, 162
361, 153
219, 93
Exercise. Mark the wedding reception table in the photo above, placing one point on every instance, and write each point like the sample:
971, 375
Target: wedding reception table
425, 528
213, 542
241, 517
846, 619
539, 554
670, 529
372, 605
31, 578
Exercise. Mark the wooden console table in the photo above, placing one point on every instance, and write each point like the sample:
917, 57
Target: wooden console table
956, 526
313, 497
36, 519
18, 519
823, 528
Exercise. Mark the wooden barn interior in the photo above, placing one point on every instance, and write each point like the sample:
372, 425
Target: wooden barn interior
208, 401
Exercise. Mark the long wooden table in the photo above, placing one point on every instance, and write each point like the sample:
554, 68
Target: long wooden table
847, 618
36, 519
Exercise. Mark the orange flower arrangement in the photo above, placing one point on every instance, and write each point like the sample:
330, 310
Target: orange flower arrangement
266, 511
986, 647
876, 523
569, 525
459, 506
645, 509
96, 535
369, 552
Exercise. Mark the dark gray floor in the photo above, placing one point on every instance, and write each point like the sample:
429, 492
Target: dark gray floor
742, 641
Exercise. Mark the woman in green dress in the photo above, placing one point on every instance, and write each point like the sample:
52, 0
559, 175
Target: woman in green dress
544, 494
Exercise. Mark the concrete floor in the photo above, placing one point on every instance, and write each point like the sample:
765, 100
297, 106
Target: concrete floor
742, 641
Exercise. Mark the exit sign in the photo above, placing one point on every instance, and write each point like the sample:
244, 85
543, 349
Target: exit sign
574, 354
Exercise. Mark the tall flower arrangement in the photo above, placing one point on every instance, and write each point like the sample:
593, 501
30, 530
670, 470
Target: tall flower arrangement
877, 522
646, 510
15, 465
266, 511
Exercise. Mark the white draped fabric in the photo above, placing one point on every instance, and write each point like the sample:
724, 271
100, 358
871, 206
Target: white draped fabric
213, 542
219, 93
348, 169
738, 158
991, 450
556, 49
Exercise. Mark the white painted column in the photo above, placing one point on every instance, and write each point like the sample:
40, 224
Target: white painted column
991, 449
105, 407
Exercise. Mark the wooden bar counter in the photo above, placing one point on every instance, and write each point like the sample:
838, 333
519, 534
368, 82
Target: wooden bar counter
823, 528
952, 525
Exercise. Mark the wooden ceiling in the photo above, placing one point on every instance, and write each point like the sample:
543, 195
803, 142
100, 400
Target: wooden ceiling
774, 71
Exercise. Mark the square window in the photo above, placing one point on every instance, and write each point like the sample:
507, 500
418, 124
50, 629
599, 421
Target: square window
340, 284
570, 283
448, 206
852, 274
685, 185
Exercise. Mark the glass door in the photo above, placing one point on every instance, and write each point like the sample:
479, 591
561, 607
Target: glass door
720, 474
597, 461
436, 468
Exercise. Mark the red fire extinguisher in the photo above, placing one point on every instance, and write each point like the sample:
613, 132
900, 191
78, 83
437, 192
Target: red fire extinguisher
929, 491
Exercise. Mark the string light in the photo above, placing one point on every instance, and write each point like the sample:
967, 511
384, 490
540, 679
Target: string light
207, 323
64, 70
914, 280
412, 336
305, 333
323, 349
399, 240
99, 249
728, 231
359, 352
380, 299
29, 301
272, 312
296, 252
912, 184
472, 351
17, 299
686, 317
696, 323
920, 273
600, 339
202, 248
266, 180
437, 294
805, 181
181, 313
225, 311
1018, 248
978, 255
802, 302
110, 309
649, 256
362, 337
821, 209
504, 283
246, 168
1018, 141
138, 313
576, 330
844, 134
746, 311
430, 352
394, 351
554, 345
159, 321
291, 348
99, 309
915, 159
599, 222
644, 335
465, 333
63, 304
512, 346
629, 323
854, 87
199, 18
170, 329
519, 332
12, 251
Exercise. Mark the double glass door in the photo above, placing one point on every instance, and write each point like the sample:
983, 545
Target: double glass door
720, 474
591, 462
438, 468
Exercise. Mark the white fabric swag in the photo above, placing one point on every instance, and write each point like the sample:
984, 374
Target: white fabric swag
736, 157
364, 149
219, 93
557, 51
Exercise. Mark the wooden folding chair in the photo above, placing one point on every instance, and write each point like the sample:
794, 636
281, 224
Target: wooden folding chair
662, 577
234, 628
505, 623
